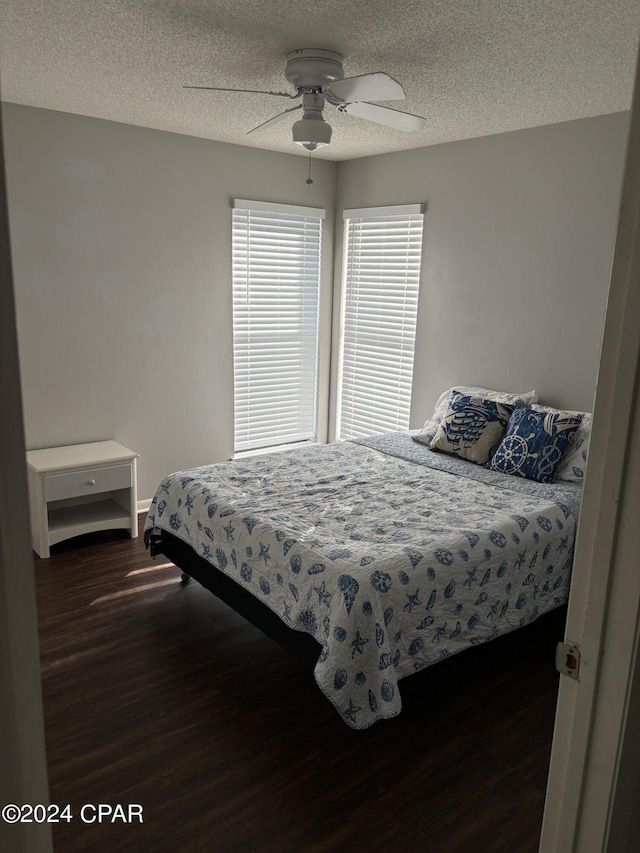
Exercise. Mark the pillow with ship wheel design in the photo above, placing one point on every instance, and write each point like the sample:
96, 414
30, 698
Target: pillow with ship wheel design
535, 444
472, 428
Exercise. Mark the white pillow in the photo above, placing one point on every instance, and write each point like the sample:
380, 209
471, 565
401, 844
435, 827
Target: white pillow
428, 431
575, 458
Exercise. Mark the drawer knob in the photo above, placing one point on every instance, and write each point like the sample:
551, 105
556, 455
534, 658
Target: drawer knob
91, 482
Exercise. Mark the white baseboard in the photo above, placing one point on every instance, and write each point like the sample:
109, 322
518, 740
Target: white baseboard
143, 506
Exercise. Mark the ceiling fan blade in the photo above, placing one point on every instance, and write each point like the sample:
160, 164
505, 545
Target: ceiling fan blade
367, 87
275, 120
385, 115
250, 91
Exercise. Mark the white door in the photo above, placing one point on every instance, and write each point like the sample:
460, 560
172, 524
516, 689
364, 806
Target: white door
595, 744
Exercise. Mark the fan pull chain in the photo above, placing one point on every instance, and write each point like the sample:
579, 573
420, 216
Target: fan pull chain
309, 179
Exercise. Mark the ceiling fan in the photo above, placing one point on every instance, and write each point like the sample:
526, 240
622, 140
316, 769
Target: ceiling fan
318, 78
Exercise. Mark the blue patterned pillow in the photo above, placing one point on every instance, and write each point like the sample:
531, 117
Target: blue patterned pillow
535, 444
428, 431
575, 459
472, 428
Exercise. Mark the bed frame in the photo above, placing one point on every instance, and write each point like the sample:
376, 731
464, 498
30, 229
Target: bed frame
303, 646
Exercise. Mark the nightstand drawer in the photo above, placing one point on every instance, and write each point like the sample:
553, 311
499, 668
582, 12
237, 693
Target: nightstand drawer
87, 482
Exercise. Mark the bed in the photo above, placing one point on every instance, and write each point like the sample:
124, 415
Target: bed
371, 559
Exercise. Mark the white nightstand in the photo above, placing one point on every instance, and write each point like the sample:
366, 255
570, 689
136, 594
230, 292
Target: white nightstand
81, 488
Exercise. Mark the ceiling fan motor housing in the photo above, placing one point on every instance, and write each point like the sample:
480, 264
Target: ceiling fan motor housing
313, 68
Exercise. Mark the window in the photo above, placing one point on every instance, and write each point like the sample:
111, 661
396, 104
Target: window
380, 304
276, 295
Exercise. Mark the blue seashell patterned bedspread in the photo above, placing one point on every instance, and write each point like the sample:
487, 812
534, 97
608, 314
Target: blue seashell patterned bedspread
391, 555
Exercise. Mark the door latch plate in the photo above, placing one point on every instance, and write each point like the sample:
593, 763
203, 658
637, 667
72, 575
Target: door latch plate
568, 659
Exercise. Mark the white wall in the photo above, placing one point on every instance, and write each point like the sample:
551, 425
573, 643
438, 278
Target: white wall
121, 241
519, 235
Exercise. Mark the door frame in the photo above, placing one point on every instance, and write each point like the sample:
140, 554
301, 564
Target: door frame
585, 808
22, 746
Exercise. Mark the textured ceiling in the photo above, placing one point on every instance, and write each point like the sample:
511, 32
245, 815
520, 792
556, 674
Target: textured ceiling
471, 67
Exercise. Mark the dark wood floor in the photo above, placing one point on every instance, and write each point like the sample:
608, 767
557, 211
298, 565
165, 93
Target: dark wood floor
156, 693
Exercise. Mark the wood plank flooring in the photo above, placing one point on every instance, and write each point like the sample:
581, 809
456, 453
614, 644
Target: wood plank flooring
158, 694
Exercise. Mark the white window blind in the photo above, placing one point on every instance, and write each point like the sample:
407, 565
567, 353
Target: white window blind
276, 295
381, 284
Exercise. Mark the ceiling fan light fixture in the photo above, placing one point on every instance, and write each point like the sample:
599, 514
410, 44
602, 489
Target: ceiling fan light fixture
312, 133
